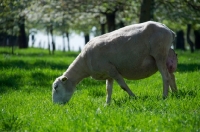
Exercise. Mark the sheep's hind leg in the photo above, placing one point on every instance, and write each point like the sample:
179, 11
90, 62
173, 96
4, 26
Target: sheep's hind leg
173, 83
109, 86
165, 75
123, 85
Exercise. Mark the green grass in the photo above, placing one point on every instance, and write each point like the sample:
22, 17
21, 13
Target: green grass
25, 98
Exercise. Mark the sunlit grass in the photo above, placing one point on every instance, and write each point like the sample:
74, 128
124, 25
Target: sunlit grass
25, 98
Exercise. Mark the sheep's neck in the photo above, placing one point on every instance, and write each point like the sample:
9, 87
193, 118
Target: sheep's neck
77, 70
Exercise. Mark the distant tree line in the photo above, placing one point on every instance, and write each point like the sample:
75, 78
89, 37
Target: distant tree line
18, 17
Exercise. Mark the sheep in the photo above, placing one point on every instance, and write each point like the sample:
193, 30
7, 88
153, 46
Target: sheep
133, 52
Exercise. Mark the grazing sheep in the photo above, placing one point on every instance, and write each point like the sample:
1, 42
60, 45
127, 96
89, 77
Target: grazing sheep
133, 52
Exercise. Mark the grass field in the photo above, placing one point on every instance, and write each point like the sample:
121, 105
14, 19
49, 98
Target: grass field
25, 98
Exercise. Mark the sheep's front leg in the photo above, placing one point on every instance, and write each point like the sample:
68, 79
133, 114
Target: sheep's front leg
109, 86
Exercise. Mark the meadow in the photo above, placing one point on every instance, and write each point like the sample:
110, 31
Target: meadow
26, 103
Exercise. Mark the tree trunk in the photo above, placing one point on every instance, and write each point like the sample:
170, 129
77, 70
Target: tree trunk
146, 11
188, 38
12, 43
103, 28
52, 40
87, 37
22, 34
121, 24
2, 39
197, 39
48, 42
63, 42
33, 39
180, 42
68, 44
110, 17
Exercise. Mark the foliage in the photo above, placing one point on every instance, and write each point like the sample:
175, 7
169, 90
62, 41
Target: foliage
177, 12
10, 13
25, 94
81, 16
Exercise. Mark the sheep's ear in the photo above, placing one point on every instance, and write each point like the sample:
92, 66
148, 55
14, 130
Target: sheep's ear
64, 79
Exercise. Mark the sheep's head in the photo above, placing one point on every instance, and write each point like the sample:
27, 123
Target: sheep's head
62, 90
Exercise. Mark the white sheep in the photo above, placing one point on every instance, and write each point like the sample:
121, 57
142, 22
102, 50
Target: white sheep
133, 52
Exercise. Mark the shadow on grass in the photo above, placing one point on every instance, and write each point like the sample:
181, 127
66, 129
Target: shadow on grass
35, 81
40, 79
41, 53
21, 81
36, 78
27, 65
181, 94
188, 67
9, 83
185, 94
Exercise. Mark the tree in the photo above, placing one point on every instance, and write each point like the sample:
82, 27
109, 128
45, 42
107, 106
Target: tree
146, 11
197, 39
84, 24
81, 16
180, 42
23, 43
181, 12
188, 38
116, 11
14, 12
46, 15
110, 13
64, 16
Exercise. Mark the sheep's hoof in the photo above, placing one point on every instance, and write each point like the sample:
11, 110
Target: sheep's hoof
106, 104
164, 97
133, 97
